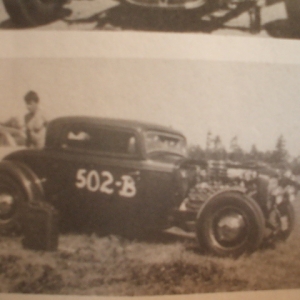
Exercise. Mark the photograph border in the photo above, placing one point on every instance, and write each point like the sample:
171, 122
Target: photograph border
28, 44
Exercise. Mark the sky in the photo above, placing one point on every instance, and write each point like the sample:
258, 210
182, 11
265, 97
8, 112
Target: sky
255, 101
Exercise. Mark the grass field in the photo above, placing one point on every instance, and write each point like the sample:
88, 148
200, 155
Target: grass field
90, 265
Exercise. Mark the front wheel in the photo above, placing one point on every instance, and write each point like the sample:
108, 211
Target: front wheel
32, 12
230, 224
12, 201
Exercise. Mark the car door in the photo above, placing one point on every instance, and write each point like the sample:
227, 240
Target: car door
95, 173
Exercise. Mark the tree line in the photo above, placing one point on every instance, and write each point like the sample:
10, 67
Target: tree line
278, 157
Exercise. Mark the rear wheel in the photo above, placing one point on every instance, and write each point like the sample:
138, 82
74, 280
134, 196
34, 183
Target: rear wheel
230, 224
32, 12
12, 201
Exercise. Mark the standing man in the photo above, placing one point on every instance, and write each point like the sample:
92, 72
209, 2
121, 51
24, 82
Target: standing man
35, 122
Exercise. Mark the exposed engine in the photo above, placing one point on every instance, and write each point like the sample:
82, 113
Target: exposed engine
273, 191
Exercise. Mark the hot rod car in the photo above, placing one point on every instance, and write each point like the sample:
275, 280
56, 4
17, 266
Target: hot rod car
130, 177
36, 12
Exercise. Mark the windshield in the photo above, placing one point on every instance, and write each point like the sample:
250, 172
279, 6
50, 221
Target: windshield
164, 142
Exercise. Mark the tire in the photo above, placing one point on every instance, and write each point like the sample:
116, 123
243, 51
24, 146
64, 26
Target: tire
12, 205
230, 208
32, 12
293, 12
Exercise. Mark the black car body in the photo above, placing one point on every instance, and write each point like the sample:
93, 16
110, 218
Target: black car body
129, 177
90, 162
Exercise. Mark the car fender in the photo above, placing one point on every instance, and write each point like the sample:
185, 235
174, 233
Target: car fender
238, 190
28, 180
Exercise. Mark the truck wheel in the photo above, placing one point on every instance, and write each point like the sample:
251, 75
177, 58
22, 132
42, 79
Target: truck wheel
12, 201
293, 12
32, 12
230, 224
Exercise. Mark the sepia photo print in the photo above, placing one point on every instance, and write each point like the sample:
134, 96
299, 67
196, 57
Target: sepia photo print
139, 177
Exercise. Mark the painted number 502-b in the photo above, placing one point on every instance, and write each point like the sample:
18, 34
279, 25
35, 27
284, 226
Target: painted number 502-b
104, 182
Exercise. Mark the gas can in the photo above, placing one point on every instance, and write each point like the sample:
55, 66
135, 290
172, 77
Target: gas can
40, 227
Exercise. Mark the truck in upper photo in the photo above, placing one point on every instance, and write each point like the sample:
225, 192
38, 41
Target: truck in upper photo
268, 18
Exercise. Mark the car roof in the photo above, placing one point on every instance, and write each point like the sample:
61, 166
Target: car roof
121, 123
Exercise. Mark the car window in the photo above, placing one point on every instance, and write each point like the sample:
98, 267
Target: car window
165, 142
101, 140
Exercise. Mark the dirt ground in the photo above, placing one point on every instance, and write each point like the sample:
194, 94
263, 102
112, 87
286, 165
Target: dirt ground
110, 15
160, 265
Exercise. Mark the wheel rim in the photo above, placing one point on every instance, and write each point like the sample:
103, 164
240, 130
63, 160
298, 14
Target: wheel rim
7, 205
229, 228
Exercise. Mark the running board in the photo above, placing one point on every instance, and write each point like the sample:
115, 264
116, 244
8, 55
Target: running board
180, 232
